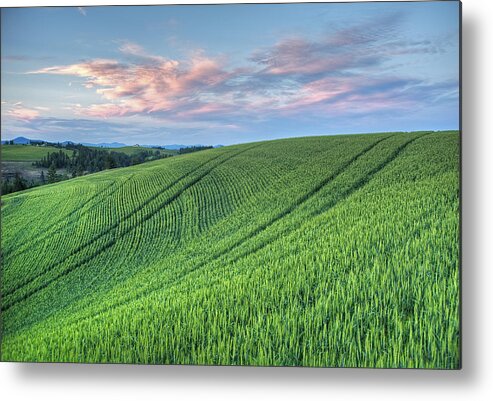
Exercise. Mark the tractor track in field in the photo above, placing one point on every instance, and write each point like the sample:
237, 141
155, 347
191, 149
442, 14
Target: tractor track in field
357, 185
99, 193
53, 227
17, 252
346, 194
112, 227
294, 205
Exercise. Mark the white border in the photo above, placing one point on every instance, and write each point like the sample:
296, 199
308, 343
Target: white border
114, 382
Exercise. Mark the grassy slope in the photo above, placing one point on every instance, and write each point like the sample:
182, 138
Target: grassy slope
27, 153
327, 251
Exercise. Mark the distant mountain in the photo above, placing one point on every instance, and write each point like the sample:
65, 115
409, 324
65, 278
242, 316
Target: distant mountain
105, 145
26, 141
20, 140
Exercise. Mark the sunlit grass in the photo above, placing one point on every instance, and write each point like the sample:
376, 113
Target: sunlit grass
321, 251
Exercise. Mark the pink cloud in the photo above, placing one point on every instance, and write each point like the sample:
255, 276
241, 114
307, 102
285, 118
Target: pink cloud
158, 86
208, 108
135, 50
299, 56
293, 76
132, 48
351, 95
343, 50
324, 90
23, 113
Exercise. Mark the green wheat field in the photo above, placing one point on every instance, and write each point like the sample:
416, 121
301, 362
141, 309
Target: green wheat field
330, 251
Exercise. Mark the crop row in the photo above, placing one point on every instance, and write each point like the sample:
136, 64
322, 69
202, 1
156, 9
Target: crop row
317, 251
120, 246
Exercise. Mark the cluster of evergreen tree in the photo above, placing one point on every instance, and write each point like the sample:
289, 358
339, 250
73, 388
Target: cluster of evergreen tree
88, 160
19, 183
82, 160
59, 160
193, 149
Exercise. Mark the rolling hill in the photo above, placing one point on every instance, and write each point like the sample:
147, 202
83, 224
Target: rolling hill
315, 251
28, 153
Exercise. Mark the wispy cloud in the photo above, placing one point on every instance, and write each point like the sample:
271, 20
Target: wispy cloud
82, 11
320, 76
138, 52
155, 84
24, 58
128, 130
19, 112
22, 113
346, 50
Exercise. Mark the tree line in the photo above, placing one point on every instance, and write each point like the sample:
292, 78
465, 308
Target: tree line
80, 161
19, 183
87, 160
191, 149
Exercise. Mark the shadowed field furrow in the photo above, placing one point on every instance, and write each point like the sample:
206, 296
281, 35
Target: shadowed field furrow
108, 231
284, 231
67, 220
26, 281
315, 251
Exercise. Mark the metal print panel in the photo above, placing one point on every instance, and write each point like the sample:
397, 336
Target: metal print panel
258, 184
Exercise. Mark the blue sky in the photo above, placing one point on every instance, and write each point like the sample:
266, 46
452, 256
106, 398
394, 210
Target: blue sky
228, 74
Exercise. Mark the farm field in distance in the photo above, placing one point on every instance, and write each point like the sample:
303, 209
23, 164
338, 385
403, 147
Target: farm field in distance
27, 165
20, 158
27, 153
329, 251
